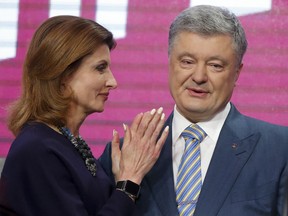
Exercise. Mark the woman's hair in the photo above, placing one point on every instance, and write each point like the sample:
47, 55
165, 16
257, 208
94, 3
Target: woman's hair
55, 52
208, 21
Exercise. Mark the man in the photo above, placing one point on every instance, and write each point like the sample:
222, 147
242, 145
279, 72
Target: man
244, 161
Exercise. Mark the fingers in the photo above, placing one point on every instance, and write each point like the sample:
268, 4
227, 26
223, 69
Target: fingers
141, 148
145, 122
115, 143
153, 132
146, 125
161, 141
155, 125
115, 152
136, 122
127, 135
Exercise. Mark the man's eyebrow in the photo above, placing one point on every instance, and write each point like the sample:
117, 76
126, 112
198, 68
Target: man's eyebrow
185, 54
217, 57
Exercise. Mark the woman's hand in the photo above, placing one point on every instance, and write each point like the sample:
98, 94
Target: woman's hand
141, 148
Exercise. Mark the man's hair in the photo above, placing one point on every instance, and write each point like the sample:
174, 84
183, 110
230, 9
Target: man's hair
208, 21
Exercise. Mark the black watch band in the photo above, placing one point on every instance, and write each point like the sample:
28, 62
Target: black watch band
129, 187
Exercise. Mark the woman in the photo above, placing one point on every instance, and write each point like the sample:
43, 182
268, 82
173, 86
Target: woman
50, 169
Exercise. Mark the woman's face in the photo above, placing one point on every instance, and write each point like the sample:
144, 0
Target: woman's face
91, 83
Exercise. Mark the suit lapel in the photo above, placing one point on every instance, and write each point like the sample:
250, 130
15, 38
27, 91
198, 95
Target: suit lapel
160, 178
230, 155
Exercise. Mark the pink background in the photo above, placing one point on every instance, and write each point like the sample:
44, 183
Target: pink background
140, 66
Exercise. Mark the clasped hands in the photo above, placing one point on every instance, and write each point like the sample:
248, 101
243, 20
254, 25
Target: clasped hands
141, 146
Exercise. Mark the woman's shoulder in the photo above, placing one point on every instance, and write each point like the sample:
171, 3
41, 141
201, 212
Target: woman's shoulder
36, 138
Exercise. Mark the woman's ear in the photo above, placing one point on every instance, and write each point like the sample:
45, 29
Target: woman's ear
64, 81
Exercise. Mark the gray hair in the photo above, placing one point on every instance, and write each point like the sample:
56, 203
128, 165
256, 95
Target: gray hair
209, 20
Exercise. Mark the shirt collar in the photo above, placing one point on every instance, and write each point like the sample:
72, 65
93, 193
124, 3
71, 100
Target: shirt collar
211, 127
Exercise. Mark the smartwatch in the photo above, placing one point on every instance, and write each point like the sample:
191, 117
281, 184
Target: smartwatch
130, 188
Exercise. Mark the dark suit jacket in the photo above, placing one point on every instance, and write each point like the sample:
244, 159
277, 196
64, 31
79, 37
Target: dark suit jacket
247, 174
45, 175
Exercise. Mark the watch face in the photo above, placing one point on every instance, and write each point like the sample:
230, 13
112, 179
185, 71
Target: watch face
129, 187
132, 188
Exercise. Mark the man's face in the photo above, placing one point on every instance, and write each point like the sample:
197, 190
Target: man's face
202, 74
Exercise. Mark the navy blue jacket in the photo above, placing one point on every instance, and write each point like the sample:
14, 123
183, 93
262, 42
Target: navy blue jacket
44, 175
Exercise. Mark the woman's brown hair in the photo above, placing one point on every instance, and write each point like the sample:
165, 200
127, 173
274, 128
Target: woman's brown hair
55, 52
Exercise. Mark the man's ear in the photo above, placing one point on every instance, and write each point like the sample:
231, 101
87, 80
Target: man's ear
238, 72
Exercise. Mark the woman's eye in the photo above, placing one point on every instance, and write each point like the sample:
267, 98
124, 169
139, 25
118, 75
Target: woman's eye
101, 67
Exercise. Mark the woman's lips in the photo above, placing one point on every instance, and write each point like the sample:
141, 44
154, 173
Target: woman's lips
104, 95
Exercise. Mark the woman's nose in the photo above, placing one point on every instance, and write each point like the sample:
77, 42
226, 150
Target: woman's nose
111, 82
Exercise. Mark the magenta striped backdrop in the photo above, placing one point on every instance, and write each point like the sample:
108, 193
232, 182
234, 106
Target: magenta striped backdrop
140, 66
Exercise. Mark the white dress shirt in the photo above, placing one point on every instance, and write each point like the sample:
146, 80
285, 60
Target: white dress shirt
207, 146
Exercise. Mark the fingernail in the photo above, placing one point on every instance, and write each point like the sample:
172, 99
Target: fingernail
114, 132
160, 110
124, 126
166, 128
152, 111
162, 116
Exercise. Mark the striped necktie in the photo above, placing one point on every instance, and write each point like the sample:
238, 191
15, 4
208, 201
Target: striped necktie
189, 180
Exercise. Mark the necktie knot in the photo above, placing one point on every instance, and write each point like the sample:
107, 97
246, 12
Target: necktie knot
193, 131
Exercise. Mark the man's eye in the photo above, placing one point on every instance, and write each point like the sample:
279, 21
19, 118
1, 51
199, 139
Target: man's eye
185, 61
217, 67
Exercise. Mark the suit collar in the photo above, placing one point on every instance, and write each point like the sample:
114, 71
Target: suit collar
211, 127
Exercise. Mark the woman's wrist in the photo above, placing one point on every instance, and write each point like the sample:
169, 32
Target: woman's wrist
123, 176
